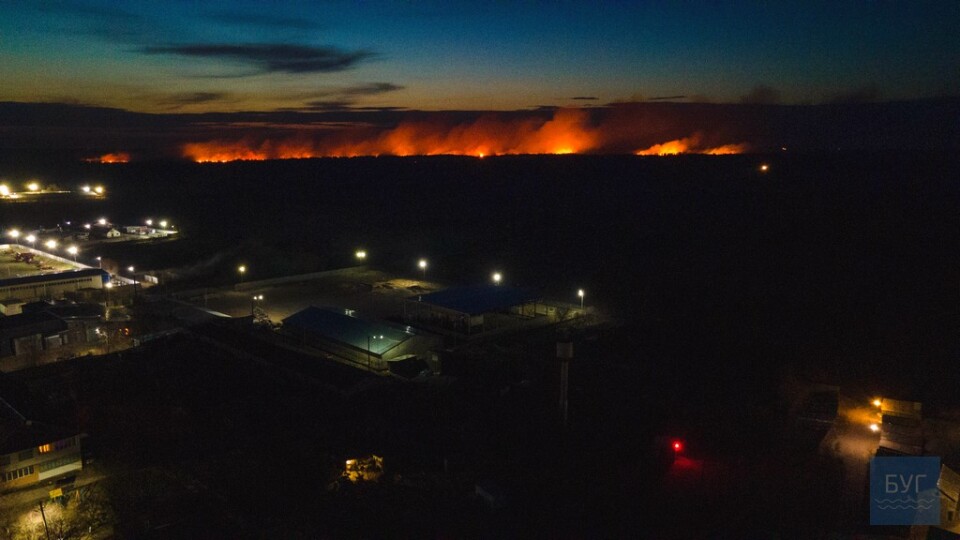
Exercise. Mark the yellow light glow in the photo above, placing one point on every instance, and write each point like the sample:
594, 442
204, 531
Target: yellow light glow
241, 269
102, 221
44, 448
31, 238
14, 233
163, 224
52, 244
4, 190
422, 263
497, 277
874, 428
876, 402
361, 254
86, 189
150, 222
580, 293
33, 186
764, 168
99, 190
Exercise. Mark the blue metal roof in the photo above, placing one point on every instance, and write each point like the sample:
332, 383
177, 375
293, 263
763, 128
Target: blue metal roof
43, 278
478, 299
338, 326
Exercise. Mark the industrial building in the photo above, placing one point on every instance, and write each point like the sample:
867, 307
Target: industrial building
370, 343
14, 292
473, 310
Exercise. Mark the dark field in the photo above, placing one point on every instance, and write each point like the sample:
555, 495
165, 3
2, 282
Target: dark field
836, 268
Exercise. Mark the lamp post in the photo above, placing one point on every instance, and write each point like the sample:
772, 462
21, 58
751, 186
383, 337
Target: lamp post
255, 298
423, 267
32, 239
100, 262
361, 255
497, 278
580, 294
134, 276
51, 245
73, 251
15, 234
369, 337
242, 269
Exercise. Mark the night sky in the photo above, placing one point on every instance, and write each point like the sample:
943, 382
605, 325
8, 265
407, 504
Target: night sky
319, 57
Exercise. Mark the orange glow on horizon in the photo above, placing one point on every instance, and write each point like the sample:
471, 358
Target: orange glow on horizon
115, 157
568, 132
691, 145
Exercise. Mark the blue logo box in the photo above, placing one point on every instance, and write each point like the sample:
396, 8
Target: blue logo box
903, 491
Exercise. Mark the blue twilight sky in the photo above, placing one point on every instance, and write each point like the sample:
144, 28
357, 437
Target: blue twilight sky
189, 56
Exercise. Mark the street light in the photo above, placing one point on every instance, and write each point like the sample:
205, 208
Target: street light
496, 278
15, 234
32, 239
253, 299
51, 244
150, 222
73, 251
102, 221
369, 337
134, 276
242, 269
580, 294
423, 267
361, 254
33, 186
100, 262
163, 224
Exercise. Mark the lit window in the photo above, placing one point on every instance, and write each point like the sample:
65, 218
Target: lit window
44, 448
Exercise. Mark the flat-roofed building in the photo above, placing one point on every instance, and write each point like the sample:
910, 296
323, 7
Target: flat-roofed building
32, 452
369, 343
19, 290
472, 310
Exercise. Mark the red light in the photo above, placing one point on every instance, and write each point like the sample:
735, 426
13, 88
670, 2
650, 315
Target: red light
677, 446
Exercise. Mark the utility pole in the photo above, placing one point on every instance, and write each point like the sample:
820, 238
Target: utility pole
564, 355
44, 516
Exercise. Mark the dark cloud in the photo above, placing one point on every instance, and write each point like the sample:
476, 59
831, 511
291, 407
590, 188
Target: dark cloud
667, 98
250, 19
866, 94
761, 95
193, 98
585, 98
271, 57
371, 89
328, 105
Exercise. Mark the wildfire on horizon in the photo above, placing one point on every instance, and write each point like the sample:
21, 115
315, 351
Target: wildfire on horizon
114, 157
568, 131
691, 145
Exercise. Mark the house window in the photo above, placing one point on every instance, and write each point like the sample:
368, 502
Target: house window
25, 455
44, 448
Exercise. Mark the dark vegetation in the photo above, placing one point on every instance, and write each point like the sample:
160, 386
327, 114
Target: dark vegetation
727, 281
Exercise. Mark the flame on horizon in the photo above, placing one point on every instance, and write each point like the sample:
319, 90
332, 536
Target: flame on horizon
568, 131
114, 157
691, 145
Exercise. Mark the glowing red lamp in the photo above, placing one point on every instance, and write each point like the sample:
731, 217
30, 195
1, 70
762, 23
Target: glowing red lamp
677, 446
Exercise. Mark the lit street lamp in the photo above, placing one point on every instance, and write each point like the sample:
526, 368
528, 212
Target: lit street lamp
580, 294
243, 270
51, 244
255, 298
134, 276
32, 239
73, 251
368, 348
423, 267
496, 278
15, 234
361, 254
100, 262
